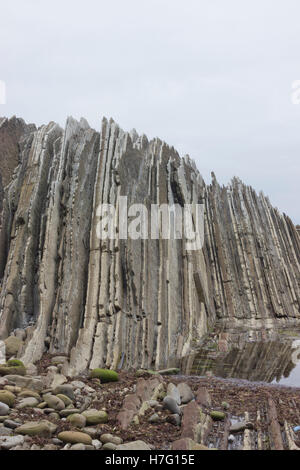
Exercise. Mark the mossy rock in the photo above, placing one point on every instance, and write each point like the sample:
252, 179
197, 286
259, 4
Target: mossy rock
105, 375
217, 415
12, 370
7, 397
15, 362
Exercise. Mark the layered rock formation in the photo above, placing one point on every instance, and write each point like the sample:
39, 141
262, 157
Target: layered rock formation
132, 303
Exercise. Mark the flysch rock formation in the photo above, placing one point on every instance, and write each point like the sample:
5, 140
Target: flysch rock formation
130, 303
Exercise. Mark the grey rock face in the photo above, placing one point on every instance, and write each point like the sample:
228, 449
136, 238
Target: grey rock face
131, 302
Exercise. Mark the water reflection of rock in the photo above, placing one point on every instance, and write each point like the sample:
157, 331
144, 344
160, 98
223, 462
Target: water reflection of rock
257, 361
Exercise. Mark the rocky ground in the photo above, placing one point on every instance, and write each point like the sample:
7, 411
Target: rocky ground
46, 410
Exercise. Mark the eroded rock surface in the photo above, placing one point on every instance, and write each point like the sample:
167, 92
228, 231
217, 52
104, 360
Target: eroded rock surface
131, 303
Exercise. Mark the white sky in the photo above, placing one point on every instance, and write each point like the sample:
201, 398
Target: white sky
211, 77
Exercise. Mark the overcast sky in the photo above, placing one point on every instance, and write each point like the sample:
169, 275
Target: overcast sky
211, 77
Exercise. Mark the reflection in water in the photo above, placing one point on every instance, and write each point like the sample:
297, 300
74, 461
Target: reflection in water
276, 361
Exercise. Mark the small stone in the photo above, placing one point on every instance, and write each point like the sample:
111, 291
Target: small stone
29, 402
172, 391
54, 402
89, 390
78, 447
153, 403
95, 417
68, 412
186, 393
54, 415
65, 389
105, 438
37, 428
29, 393
74, 437
57, 442
4, 409
240, 426
42, 405
77, 384
217, 415
97, 444
12, 388
171, 405
7, 397
11, 424
57, 380
67, 401
67, 447
49, 447
225, 405
93, 432
7, 442
77, 420
154, 418
109, 446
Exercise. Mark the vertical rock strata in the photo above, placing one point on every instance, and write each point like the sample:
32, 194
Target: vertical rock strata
132, 303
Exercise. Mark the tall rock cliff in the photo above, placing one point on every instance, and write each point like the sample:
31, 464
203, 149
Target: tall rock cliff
132, 303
